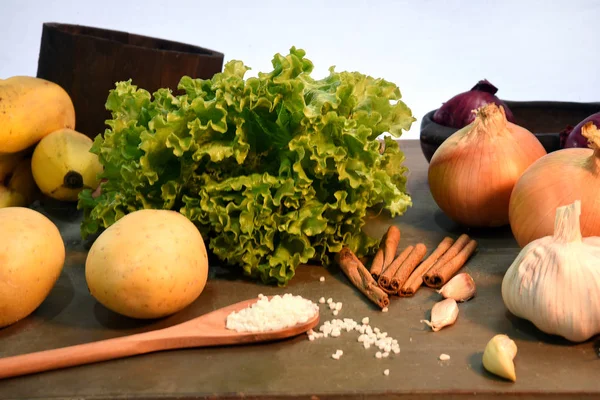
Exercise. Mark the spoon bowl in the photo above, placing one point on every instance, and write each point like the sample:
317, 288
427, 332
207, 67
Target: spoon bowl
203, 331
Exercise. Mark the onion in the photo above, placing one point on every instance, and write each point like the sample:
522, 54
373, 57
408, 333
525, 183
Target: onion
98, 191
558, 179
472, 173
458, 111
575, 138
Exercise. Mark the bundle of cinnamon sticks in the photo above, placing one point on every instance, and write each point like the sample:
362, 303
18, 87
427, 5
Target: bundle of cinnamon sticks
405, 273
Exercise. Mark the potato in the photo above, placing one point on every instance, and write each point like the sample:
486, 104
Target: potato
31, 108
32, 255
149, 264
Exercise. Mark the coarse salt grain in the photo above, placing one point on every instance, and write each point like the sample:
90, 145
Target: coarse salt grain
338, 353
386, 372
322, 279
384, 309
365, 321
322, 300
444, 357
335, 312
266, 314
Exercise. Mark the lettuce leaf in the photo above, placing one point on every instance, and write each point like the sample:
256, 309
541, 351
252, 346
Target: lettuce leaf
275, 170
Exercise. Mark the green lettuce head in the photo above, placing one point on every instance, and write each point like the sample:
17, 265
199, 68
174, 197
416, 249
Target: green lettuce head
275, 170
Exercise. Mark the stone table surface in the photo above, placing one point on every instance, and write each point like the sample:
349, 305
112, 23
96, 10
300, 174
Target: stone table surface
547, 367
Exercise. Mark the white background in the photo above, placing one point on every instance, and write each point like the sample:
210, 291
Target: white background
432, 49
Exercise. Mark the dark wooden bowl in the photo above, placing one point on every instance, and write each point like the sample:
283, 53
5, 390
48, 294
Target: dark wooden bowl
545, 119
87, 62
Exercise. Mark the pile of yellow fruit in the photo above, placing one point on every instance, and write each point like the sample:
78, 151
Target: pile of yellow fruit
39, 147
149, 264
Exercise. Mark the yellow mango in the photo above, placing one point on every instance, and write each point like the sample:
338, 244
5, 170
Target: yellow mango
31, 108
149, 264
32, 254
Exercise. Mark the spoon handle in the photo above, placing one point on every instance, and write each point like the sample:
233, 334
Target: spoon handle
70, 356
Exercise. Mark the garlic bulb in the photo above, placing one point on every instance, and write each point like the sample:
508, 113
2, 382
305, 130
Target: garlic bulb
555, 281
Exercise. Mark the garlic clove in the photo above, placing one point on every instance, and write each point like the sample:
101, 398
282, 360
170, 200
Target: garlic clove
460, 288
443, 313
498, 357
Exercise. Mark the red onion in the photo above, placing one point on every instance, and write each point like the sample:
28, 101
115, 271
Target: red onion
575, 138
458, 111
98, 190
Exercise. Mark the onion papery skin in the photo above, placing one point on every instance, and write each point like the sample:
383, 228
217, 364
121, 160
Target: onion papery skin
472, 174
458, 111
575, 138
555, 180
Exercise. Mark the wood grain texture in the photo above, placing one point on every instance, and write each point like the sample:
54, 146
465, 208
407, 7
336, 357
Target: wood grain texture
88, 61
203, 331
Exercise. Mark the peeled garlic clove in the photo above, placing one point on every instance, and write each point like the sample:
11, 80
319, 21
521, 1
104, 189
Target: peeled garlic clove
443, 313
459, 288
498, 357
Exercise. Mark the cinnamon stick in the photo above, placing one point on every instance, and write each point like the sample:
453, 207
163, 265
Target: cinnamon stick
377, 264
385, 278
408, 266
456, 247
389, 291
360, 277
438, 275
415, 280
386, 252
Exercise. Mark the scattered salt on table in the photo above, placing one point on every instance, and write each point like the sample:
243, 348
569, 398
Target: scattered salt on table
368, 336
338, 353
444, 357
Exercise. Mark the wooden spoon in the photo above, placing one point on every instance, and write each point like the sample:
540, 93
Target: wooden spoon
206, 330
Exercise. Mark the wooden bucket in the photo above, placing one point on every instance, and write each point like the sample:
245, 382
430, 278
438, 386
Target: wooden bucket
87, 62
